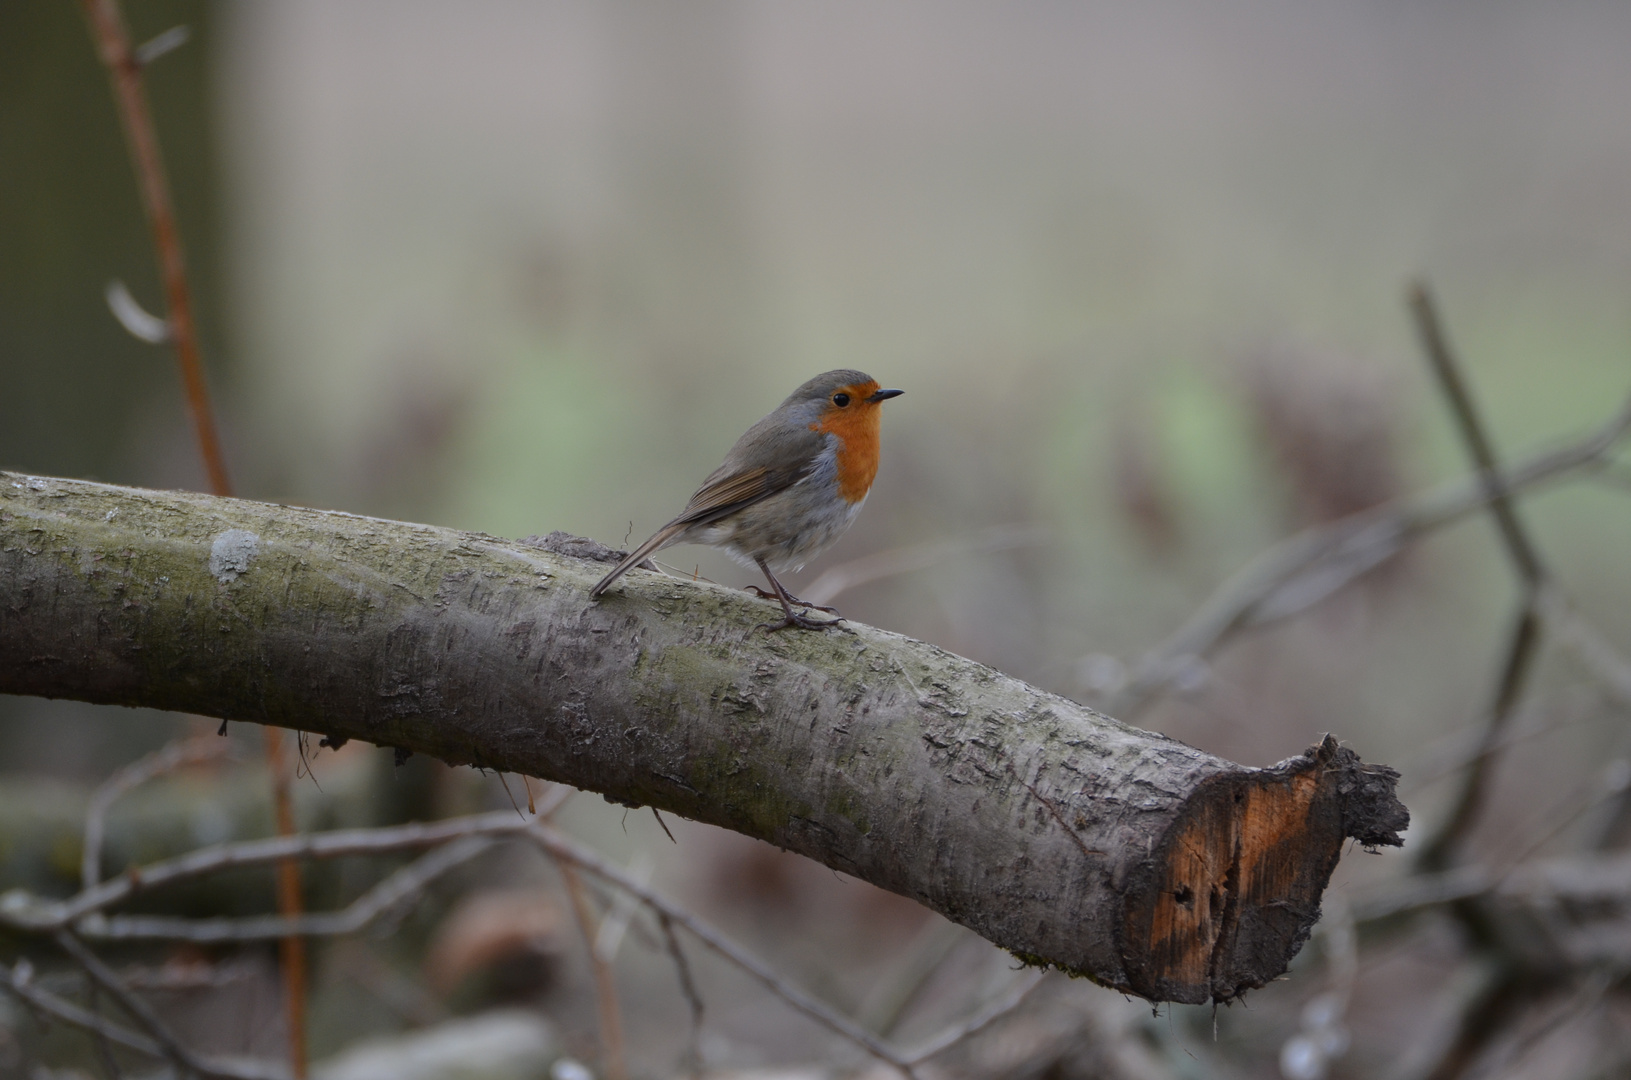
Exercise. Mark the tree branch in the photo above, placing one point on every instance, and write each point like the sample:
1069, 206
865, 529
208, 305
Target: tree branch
1065, 836
1303, 569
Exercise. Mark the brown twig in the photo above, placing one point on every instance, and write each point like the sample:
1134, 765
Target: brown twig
1440, 848
125, 68
117, 53
291, 949
611, 1023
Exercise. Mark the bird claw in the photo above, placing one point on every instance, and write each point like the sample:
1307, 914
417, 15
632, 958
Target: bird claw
801, 622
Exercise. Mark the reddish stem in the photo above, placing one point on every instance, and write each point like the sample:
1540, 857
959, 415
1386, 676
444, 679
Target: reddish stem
113, 43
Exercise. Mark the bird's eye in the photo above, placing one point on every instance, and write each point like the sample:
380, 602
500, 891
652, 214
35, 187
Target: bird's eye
840, 400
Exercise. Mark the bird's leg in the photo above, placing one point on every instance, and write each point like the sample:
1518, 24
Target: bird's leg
803, 622
795, 601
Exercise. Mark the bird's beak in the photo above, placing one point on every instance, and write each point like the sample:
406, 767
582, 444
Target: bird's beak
884, 395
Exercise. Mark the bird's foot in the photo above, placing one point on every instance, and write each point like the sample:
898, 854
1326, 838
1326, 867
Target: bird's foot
795, 601
801, 622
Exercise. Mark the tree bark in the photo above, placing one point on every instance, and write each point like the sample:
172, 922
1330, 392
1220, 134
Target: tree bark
1058, 833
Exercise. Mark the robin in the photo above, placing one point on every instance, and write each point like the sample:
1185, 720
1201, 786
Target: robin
787, 490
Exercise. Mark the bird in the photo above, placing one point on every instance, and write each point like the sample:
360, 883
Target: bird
787, 490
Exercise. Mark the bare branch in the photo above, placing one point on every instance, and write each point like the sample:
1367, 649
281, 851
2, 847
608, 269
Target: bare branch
179, 754
119, 56
995, 1010
688, 987
570, 851
19, 980
24, 913
290, 903
386, 896
1435, 344
168, 1045
611, 1023
882, 757
1303, 569
1526, 565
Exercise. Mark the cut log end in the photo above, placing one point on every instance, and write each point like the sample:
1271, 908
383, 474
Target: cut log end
1230, 895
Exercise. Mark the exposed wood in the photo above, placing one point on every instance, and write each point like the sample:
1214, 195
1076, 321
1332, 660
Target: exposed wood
1061, 834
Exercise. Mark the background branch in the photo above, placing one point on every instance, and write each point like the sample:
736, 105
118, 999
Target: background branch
1303, 569
1525, 635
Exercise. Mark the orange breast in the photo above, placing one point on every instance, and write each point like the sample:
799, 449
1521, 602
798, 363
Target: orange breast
857, 429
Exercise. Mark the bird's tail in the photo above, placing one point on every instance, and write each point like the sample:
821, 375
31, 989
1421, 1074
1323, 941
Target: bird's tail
639, 555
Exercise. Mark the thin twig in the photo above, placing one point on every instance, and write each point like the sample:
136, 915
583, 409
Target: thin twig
24, 913
570, 851
168, 1045
104, 1045
117, 53
387, 895
1437, 852
124, 64
181, 753
1525, 556
688, 987
611, 1023
994, 1011
137, 1009
290, 904
19, 981
889, 999
1525, 636
1304, 568
1574, 631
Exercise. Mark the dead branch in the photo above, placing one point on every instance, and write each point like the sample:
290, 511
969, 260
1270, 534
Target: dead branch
994, 1010
990, 801
388, 895
19, 979
1524, 641
562, 847
177, 755
167, 1044
611, 1022
1305, 568
113, 45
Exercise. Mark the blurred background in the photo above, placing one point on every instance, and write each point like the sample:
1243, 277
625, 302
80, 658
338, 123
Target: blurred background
517, 267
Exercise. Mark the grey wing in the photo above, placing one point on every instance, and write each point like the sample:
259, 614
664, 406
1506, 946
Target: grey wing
780, 460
